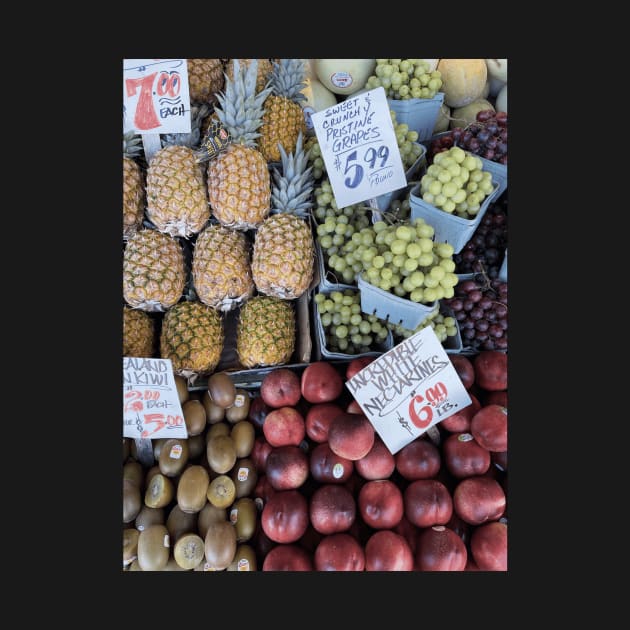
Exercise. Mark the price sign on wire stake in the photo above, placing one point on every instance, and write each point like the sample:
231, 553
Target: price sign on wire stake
359, 148
151, 407
409, 389
155, 96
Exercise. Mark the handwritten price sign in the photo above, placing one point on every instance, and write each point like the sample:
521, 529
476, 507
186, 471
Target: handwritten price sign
359, 148
409, 389
151, 407
155, 96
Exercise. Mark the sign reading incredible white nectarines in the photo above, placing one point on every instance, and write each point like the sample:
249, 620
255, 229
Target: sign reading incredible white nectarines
408, 389
151, 407
359, 148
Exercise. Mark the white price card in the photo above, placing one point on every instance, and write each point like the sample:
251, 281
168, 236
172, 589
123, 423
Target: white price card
151, 407
359, 148
409, 389
155, 96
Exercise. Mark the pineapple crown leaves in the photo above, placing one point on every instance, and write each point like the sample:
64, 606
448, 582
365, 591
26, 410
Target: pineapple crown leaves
132, 144
291, 193
192, 139
241, 109
288, 79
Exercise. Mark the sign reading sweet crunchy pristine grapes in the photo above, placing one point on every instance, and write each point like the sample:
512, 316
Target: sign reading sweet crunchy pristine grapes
359, 148
409, 389
155, 96
151, 407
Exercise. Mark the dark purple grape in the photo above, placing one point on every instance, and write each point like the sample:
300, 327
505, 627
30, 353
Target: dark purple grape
483, 136
468, 324
495, 331
455, 304
499, 219
457, 132
468, 305
474, 145
504, 159
466, 137
481, 336
488, 154
501, 118
492, 240
475, 295
501, 344
500, 310
468, 286
475, 313
485, 115
492, 128
483, 325
503, 323
474, 128
493, 272
478, 240
502, 148
490, 315
485, 303
460, 316
492, 255
488, 344
469, 333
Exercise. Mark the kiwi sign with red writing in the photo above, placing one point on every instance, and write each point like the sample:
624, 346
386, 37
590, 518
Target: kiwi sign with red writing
151, 407
408, 389
156, 98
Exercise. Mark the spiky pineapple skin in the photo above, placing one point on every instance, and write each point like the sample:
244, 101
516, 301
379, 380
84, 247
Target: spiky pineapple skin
153, 271
265, 333
192, 338
262, 73
239, 187
205, 79
283, 257
221, 269
282, 122
138, 333
177, 202
133, 197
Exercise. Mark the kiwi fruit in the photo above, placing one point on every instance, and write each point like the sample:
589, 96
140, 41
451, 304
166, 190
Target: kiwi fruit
173, 456
157, 447
126, 449
244, 559
192, 489
240, 409
153, 548
194, 417
172, 565
221, 491
209, 514
243, 434
149, 516
220, 545
182, 389
245, 477
135, 566
214, 413
179, 523
132, 496
204, 565
130, 545
160, 491
221, 453
132, 472
221, 389
214, 430
189, 551
154, 470
196, 446
243, 516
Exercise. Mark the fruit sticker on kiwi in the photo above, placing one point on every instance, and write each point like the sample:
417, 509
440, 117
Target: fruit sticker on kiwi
358, 146
239, 400
156, 97
176, 451
243, 565
151, 407
409, 389
243, 474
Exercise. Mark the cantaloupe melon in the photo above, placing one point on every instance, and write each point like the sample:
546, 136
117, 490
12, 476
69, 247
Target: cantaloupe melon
463, 80
463, 116
441, 123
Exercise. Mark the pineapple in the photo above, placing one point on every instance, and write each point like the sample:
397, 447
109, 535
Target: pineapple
205, 79
238, 178
192, 338
283, 118
220, 268
177, 203
265, 333
262, 72
153, 271
133, 185
284, 254
138, 333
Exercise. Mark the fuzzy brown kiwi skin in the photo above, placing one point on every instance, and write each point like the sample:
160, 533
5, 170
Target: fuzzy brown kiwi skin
245, 468
240, 409
196, 447
214, 413
130, 545
209, 514
159, 492
194, 417
179, 523
192, 489
243, 433
132, 495
245, 513
220, 428
245, 556
221, 453
173, 457
182, 389
220, 544
221, 389
153, 548
149, 516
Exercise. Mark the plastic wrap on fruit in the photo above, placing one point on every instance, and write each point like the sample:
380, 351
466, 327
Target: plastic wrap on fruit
216, 141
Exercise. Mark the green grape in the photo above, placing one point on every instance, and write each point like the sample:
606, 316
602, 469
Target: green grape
417, 279
379, 226
439, 292
410, 264
399, 261
387, 70
385, 285
348, 275
430, 282
378, 262
341, 331
388, 257
357, 267
386, 273
367, 238
356, 307
404, 90
356, 319
373, 274
338, 239
356, 339
367, 341
400, 291
326, 319
407, 285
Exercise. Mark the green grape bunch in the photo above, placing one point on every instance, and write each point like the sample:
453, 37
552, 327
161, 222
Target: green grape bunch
403, 79
348, 330
444, 326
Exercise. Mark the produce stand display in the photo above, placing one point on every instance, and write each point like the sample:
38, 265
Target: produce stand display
259, 316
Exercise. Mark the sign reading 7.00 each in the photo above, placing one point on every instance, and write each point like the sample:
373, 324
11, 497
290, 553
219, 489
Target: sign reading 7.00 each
155, 96
409, 389
151, 407
359, 148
